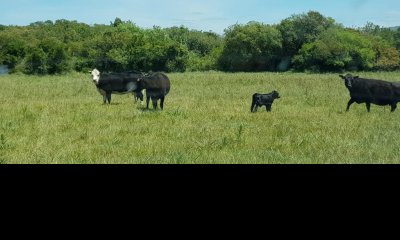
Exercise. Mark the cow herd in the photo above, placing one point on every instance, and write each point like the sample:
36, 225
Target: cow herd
157, 85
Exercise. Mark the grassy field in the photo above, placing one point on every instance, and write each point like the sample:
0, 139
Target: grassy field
207, 119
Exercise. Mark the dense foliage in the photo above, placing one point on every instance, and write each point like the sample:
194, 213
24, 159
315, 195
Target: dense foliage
253, 47
303, 42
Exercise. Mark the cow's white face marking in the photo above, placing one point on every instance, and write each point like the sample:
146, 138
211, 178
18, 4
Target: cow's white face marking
95, 76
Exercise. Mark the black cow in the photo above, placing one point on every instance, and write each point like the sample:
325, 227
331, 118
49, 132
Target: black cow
116, 83
369, 91
157, 86
266, 100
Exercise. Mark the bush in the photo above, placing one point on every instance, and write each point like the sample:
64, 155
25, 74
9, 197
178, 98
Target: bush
388, 59
307, 41
301, 29
336, 49
12, 49
251, 47
35, 62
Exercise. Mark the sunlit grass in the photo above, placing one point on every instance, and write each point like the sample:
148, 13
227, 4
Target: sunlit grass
207, 119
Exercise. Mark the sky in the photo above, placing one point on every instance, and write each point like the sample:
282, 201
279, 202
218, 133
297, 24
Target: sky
206, 15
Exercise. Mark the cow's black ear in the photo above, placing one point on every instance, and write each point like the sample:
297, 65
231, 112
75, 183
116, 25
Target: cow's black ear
356, 77
342, 76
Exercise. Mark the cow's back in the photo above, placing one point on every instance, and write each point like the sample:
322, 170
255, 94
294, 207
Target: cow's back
374, 91
158, 84
119, 82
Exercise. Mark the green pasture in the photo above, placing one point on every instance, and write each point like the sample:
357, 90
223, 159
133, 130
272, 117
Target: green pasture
206, 120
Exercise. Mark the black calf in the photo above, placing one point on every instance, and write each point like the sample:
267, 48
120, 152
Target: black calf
266, 100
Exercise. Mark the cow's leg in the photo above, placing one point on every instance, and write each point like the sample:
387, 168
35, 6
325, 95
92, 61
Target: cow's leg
104, 99
141, 97
349, 104
253, 104
162, 103
368, 107
394, 107
147, 101
268, 107
109, 98
255, 109
154, 101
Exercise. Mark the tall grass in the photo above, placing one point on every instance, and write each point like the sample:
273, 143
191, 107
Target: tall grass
207, 119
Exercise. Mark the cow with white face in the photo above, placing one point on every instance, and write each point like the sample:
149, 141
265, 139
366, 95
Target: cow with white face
95, 75
116, 83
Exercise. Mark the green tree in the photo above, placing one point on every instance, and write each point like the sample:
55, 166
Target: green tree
386, 34
12, 47
337, 49
251, 47
160, 53
300, 29
58, 61
397, 39
117, 22
202, 47
310, 41
387, 56
35, 62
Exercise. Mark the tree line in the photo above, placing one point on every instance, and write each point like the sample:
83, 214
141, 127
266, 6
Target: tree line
301, 42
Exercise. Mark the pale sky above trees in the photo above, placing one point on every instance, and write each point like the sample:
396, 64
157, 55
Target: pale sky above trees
214, 15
